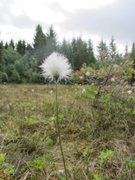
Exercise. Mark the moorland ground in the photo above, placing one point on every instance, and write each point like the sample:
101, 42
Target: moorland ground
98, 134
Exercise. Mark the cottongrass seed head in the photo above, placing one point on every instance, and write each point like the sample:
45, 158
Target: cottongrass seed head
56, 67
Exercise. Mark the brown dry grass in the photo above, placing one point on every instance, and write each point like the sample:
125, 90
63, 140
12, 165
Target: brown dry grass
89, 127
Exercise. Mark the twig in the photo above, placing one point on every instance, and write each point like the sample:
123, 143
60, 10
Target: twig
18, 165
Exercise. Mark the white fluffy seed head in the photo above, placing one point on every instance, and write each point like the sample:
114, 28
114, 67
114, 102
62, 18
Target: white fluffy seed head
112, 79
129, 91
81, 77
56, 67
84, 91
87, 74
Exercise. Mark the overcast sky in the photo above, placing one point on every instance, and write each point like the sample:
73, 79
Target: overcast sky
95, 19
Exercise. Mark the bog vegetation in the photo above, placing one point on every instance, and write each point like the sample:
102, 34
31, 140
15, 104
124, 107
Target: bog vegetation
96, 112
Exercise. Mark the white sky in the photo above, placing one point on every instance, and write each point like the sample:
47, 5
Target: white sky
21, 16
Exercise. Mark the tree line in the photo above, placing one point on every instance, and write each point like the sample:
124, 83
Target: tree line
19, 62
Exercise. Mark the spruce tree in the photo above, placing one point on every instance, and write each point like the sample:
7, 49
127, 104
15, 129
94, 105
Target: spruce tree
6, 45
39, 38
39, 44
91, 56
132, 55
21, 47
12, 44
79, 53
1, 57
51, 44
112, 49
102, 51
64, 47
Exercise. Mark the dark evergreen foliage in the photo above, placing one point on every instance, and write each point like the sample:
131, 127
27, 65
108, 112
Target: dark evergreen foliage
103, 53
20, 62
21, 47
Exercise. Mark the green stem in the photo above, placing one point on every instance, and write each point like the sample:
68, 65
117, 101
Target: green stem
59, 134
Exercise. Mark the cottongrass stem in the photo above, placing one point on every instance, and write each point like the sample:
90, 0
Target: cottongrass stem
55, 68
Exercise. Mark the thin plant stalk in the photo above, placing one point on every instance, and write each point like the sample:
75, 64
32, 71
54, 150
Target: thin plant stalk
59, 134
